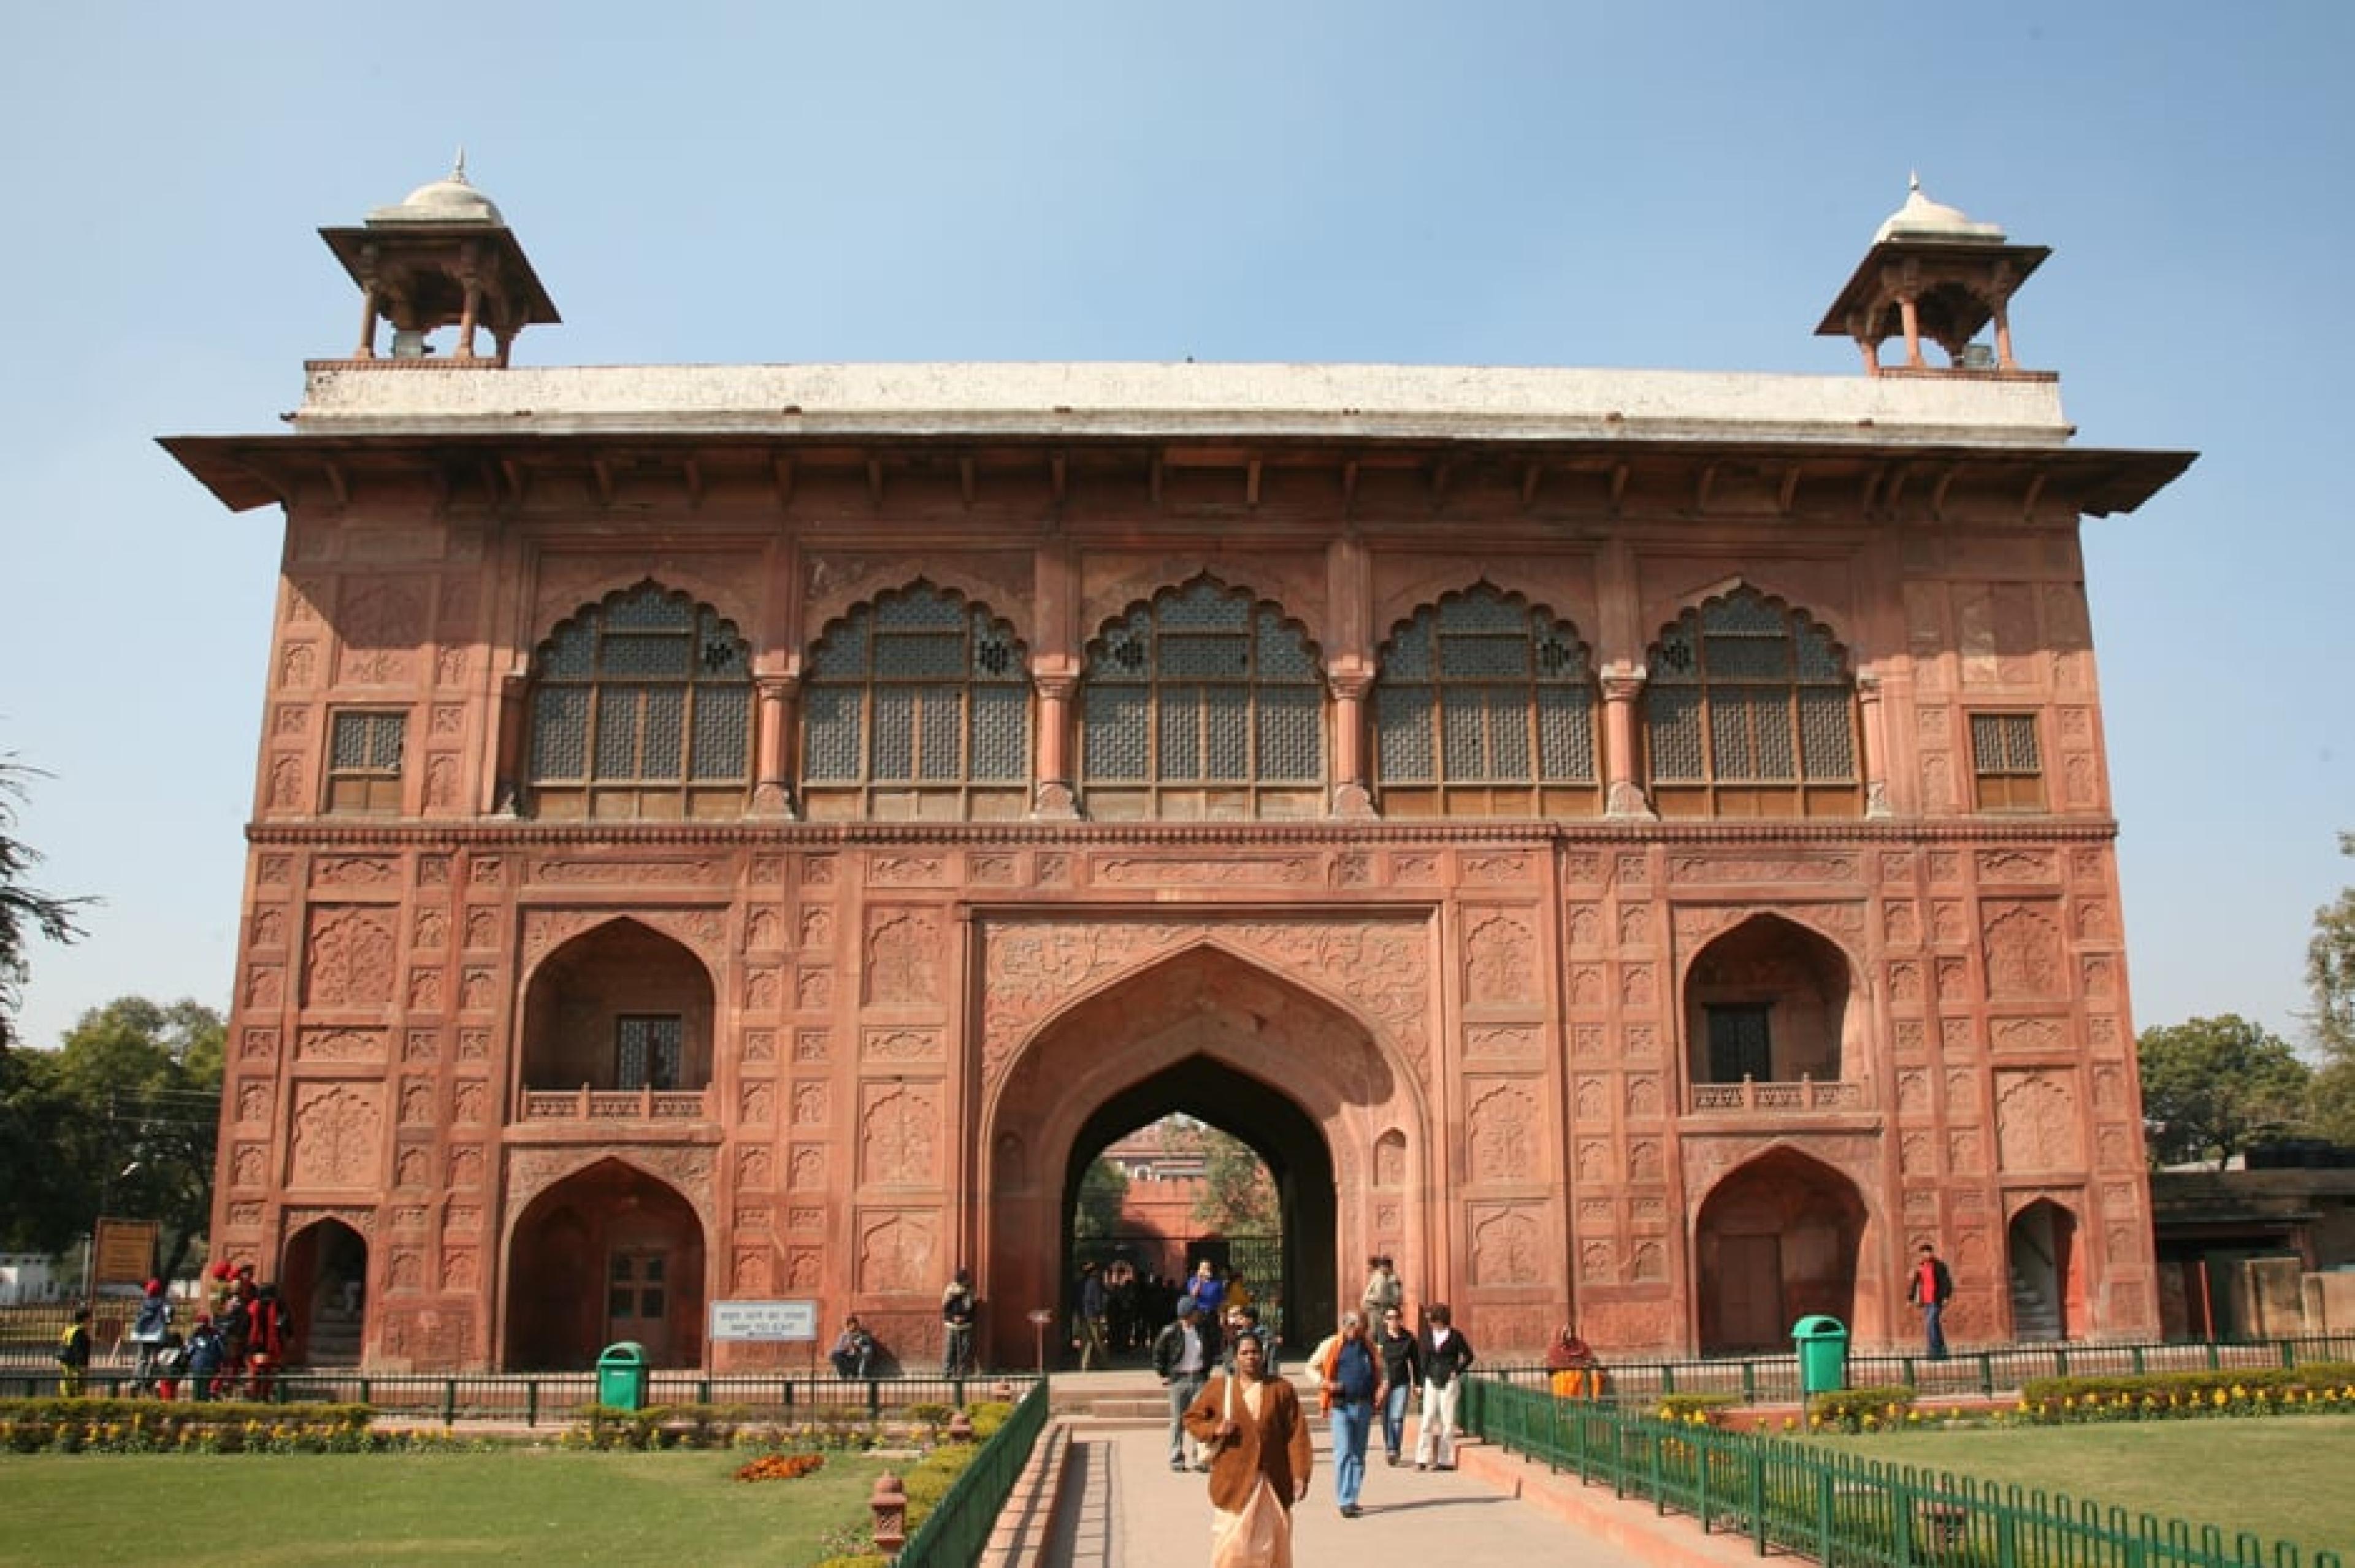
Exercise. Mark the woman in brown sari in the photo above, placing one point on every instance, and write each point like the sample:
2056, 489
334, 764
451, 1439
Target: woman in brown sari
1252, 1428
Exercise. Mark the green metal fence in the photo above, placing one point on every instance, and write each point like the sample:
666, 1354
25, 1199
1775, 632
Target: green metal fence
1840, 1511
1771, 1379
953, 1534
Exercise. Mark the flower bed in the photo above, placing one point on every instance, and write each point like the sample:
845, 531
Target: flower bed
2175, 1396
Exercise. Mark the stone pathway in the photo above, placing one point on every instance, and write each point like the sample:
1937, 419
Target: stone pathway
1131, 1510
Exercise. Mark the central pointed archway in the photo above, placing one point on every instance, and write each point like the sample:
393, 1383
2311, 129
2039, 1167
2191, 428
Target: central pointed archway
1292, 1145
1290, 1071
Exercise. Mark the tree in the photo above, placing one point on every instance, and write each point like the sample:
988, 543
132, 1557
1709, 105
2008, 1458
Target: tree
2211, 1086
2331, 978
1238, 1193
1103, 1188
25, 912
124, 1117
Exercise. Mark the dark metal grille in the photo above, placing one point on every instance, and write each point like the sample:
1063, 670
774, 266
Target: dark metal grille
649, 1052
1479, 691
1203, 687
647, 689
1746, 692
919, 690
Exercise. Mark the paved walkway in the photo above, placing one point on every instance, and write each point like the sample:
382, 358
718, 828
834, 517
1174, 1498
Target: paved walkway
1133, 1511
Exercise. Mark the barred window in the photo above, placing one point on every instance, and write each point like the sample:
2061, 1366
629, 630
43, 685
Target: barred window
1749, 710
1202, 704
917, 705
642, 707
1485, 708
364, 749
649, 1050
2006, 762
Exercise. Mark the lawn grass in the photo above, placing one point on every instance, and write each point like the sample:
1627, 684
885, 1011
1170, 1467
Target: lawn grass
2280, 1478
512, 1506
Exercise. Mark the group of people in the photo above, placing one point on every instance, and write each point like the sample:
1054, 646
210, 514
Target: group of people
1245, 1425
235, 1346
1115, 1307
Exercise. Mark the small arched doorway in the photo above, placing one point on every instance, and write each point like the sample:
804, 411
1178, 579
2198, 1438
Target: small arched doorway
607, 1254
2048, 1287
1216, 1036
323, 1279
1777, 1240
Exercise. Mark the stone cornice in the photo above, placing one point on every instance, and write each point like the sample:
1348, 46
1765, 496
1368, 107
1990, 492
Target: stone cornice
1354, 834
1867, 474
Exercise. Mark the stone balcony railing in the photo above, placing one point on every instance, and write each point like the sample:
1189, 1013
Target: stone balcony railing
1750, 1096
586, 1104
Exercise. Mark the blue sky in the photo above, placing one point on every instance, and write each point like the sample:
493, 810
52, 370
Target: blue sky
1673, 185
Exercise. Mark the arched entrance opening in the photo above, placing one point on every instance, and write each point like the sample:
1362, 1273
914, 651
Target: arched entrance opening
609, 1253
1214, 1036
1767, 1002
2048, 1286
1287, 1255
1777, 1240
323, 1280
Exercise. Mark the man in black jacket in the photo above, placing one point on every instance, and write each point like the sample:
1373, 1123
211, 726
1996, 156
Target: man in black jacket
1183, 1354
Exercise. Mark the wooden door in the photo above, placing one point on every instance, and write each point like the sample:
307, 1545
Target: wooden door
1750, 1293
637, 1300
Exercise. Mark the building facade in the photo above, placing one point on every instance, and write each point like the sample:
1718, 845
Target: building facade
1634, 845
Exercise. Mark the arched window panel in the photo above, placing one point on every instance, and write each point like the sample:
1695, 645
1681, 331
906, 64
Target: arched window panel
1202, 704
1485, 707
917, 706
1751, 711
641, 707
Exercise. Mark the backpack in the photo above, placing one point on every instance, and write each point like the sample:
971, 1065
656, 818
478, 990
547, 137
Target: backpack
154, 1316
73, 1347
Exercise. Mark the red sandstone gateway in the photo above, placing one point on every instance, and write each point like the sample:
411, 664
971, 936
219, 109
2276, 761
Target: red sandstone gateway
1633, 846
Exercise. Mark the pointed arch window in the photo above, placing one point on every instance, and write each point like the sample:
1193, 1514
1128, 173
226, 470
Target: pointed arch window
1202, 704
1749, 710
642, 707
916, 706
1485, 708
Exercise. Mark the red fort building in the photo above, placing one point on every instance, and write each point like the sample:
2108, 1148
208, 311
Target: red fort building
1634, 847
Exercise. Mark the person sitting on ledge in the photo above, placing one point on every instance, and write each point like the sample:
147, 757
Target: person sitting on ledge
854, 1349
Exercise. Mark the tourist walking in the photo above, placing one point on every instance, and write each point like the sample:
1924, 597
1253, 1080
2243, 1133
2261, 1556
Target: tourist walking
1347, 1373
1402, 1356
148, 1327
1446, 1356
73, 1355
959, 1307
207, 1354
1253, 1429
1208, 1291
1383, 1292
1088, 1319
1931, 1288
1182, 1356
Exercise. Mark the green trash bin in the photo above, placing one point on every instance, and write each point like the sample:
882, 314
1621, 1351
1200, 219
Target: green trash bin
1823, 1354
622, 1376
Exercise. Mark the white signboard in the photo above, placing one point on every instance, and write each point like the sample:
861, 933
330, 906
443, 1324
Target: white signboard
764, 1320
